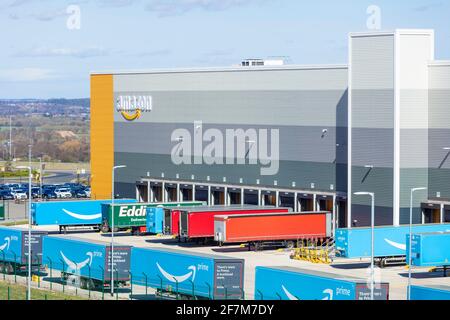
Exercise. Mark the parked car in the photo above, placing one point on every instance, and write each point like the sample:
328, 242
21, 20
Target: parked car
35, 192
6, 195
78, 192
19, 194
63, 193
49, 193
88, 192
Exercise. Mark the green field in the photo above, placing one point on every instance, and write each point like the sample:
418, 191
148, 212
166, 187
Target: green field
19, 292
14, 223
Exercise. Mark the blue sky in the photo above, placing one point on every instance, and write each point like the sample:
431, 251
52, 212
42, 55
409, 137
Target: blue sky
42, 58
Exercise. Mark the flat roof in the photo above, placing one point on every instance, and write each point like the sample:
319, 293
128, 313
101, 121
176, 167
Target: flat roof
222, 69
105, 243
190, 253
330, 275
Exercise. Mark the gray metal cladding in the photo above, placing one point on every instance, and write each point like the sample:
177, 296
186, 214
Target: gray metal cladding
413, 178
296, 143
376, 180
373, 147
290, 78
439, 132
372, 78
361, 215
372, 59
373, 108
304, 107
322, 175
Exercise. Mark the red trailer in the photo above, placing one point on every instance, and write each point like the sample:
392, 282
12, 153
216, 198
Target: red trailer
198, 223
272, 228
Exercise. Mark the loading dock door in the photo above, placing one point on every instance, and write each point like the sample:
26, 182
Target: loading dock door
157, 192
251, 197
287, 200
186, 192
171, 193
325, 203
431, 213
218, 196
142, 191
342, 213
305, 203
269, 198
235, 195
201, 193
446, 214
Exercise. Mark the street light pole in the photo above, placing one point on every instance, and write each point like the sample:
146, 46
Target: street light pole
410, 238
372, 255
29, 229
112, 227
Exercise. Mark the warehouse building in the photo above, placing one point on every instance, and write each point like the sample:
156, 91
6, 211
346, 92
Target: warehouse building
305, 137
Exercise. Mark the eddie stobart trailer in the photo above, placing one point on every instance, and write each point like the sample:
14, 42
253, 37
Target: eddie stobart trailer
287, 283
428, 293
390, 242
65, 214
134, 216
87, 263
14, 249
177, 273
430, 250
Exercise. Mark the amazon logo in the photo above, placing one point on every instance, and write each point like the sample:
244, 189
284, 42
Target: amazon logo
132, 107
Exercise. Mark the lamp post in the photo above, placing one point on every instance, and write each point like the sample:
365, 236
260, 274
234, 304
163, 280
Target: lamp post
29, 228
372, 267
112, 227
410, 238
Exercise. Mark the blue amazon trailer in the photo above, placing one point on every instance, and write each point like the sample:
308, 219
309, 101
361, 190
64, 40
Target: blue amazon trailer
70, 213
189, 275
14, 249
287, 283
441, 293
87, 263
390, 242
430, 250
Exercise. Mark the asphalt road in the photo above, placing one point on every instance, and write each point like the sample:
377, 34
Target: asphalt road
54, 177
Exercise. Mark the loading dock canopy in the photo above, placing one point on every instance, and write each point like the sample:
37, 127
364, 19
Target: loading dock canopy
431, 206
305, 196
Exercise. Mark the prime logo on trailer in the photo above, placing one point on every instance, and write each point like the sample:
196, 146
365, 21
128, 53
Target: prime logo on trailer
132, 107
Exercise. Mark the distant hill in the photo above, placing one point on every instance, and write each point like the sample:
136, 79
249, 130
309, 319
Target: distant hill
52, 107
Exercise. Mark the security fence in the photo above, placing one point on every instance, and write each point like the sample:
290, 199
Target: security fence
94, 282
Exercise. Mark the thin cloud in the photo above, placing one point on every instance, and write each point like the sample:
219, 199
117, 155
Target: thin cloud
63, 52
26, 74
177, 7
162, 52
428, 7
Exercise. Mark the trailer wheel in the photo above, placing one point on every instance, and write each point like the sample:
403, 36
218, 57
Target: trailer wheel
104, 228
290, 244
9, 268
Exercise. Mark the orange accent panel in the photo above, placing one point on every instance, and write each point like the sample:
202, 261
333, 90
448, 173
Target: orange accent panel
102, 135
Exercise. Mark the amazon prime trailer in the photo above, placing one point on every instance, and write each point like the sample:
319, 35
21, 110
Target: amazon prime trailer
87, 263
188, 275
14, 250
430, 250
390, 242
287, 283
65, 214
428, 293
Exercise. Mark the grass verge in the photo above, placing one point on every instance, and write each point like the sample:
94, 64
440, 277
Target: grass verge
14, 223
19, 292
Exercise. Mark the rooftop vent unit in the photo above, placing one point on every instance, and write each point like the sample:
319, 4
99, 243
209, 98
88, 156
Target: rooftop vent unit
262, 62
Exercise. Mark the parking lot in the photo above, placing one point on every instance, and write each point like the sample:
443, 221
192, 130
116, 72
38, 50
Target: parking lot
397, 277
